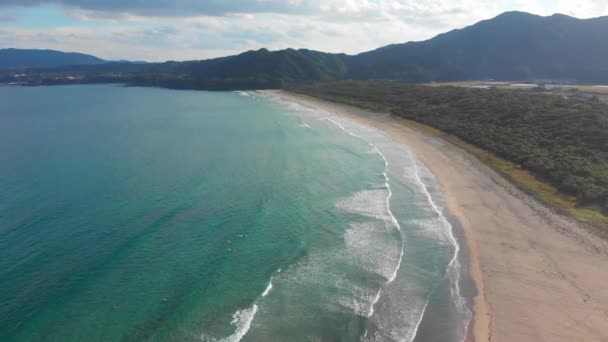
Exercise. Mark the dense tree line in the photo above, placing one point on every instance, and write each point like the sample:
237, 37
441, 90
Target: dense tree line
561, 140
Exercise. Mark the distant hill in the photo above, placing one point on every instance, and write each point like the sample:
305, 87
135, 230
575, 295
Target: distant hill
286, 65
513, 46
249, 70
21, 59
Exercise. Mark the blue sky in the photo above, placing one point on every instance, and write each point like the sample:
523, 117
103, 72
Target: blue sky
158, 30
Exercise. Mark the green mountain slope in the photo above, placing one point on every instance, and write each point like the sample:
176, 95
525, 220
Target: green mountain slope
249, 70
19, 59
512, 46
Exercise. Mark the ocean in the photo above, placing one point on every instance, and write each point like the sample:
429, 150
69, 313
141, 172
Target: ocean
132, 214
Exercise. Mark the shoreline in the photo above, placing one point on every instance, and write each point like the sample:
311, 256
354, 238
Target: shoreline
539, 275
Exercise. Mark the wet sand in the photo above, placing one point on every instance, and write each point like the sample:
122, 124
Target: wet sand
540, 277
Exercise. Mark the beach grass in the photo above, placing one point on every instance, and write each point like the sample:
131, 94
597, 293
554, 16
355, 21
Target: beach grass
452, 84
592, 89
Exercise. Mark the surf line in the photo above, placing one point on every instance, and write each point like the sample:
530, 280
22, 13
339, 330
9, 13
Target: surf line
454, 264
394, 221
242, 319
392, 218
414, 332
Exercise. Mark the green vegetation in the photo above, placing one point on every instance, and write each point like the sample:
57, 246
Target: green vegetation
556, 148
261, 69
26, 58
512, 46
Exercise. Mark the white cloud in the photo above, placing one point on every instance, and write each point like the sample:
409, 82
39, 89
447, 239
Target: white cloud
216, 28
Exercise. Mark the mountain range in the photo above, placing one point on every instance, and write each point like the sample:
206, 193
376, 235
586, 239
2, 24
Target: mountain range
23, 58
511, 46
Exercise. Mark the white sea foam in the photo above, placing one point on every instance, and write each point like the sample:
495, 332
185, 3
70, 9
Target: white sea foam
403, 314
374, 301
242, 93
241, 320
370, 203
373, 208
454, 266
405, 329
392, 217
374, 203
442, 230
356, 298
268, 289
302, 123
374, 250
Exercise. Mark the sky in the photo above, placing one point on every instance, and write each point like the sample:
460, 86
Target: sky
160, 30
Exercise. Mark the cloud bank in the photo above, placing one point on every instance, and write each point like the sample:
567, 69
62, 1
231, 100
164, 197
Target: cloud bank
195, 29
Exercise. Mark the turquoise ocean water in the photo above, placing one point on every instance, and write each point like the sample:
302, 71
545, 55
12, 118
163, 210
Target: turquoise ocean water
143, 214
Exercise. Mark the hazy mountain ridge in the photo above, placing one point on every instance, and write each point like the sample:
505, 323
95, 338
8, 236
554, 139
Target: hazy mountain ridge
511, 46
259, 69
32, 58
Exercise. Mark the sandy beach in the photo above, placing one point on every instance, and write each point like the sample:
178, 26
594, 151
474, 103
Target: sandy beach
540, 277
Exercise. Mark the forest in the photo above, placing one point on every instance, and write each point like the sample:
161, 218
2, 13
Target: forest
562, 141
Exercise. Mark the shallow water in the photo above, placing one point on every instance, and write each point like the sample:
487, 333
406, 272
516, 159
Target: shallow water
152, 214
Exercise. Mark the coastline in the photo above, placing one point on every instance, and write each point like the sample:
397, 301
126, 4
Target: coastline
539, 276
